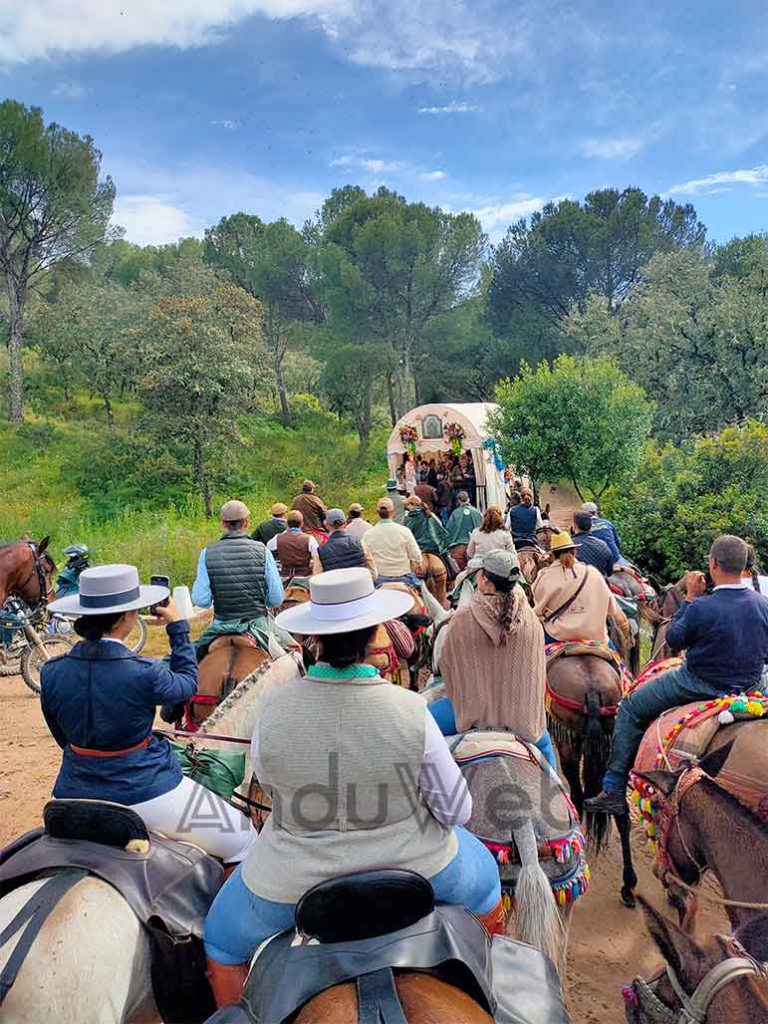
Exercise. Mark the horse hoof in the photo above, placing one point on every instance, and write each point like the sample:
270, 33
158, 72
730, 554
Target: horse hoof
628, 899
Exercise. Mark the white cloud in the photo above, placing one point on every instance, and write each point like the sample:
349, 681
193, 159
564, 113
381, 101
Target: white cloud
619, 148
42, 28
230, 126
750, 176
69, 90
151, 220
157, 205
432, 175
452, 108
497, 215
368, 164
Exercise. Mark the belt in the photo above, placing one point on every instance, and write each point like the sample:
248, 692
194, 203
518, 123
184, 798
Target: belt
87, 752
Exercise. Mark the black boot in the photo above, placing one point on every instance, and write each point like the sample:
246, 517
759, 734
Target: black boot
607, 803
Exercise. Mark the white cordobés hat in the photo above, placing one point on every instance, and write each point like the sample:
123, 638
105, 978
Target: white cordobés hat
106, 589
341, 601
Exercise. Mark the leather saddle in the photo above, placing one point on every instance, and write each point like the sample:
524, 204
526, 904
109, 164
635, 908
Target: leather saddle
511, 980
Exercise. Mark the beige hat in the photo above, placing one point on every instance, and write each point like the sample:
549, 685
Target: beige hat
279, 509
233, 511
385, 504
308, 486
356, 507
413, 502
343, 600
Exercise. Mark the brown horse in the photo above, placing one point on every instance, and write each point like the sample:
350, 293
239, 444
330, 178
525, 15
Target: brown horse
659, 613
708, 829
229, 660
532, 560
425, 1000
26, 570
725, 981
584, 691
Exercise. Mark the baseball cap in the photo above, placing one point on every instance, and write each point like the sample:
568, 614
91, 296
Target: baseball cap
233, 511
589, 506
356, 507
279, 509
335, 517
502, 563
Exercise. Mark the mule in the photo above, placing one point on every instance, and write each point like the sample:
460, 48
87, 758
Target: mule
91, 960
659, 612
705, 828
722, 982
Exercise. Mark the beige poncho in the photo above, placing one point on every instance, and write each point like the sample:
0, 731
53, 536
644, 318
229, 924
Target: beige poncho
494, 678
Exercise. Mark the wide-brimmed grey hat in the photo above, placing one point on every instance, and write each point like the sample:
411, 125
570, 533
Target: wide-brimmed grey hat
106, 589
341, 601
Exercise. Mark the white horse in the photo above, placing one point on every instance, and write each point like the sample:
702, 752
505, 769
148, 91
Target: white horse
90, 963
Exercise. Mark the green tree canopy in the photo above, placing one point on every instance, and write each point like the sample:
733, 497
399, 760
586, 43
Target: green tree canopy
270, 261
201, 369
388, 267
682, 497
569, 249
53, 207
579, 419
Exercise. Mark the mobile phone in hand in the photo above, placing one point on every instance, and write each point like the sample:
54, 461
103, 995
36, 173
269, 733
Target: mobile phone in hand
160, 581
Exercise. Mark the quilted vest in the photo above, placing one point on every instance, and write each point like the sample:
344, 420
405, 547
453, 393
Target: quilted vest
293, 554
341, 760
235, 565
341, 551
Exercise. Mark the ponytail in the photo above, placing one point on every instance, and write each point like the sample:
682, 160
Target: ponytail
93, 627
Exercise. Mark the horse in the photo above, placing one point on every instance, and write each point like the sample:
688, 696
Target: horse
26, 570
659, 612
722, 982
705, 827
228, 660
91, 960
583, 693
532, 560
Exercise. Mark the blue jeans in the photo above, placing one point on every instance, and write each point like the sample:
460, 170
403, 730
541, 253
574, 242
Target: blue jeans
443, 713
636, 712
239, 920
445, 513
410, 578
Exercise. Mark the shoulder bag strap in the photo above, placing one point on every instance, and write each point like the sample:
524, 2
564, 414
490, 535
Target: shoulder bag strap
567, 604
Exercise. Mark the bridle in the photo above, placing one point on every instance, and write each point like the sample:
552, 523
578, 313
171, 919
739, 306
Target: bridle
38, 570
642, 999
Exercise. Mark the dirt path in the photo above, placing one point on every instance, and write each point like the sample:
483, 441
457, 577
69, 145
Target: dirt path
608, 943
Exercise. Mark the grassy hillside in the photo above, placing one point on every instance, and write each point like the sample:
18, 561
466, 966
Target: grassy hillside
63, 474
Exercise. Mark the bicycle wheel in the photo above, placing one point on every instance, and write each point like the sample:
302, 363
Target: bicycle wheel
33, 658
138, 636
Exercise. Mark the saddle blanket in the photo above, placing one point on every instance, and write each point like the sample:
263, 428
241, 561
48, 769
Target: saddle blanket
574, 648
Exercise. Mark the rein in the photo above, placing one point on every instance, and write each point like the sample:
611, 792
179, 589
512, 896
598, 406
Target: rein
37, 568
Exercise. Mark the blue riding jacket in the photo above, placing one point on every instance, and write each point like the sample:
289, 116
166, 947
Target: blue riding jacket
102, 696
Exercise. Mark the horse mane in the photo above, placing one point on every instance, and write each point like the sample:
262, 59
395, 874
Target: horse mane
753, 936
240, 691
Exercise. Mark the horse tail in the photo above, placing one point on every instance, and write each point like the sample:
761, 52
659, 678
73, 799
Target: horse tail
597, 750
536, 913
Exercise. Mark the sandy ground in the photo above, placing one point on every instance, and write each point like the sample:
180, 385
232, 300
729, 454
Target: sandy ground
608, 943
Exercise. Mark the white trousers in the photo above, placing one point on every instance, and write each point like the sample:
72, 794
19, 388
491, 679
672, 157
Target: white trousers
193, 814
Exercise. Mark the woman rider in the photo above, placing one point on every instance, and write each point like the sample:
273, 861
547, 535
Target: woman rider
99, 701
492, 663
489, 536
572, 599
360, 778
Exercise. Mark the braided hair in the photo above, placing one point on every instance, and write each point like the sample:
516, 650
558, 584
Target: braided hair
505, 593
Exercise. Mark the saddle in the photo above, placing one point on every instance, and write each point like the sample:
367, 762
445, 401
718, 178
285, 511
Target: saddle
479, 754
169, 885
512, 981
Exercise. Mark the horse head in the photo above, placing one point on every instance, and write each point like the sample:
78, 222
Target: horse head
716, 983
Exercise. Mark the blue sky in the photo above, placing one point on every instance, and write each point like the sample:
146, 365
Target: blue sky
204, 107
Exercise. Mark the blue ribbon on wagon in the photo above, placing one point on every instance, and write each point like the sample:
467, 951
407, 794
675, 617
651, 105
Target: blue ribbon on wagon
490, 445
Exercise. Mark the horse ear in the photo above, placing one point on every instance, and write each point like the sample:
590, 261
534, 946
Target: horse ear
675, 946
665, 782
41, 547
712, 763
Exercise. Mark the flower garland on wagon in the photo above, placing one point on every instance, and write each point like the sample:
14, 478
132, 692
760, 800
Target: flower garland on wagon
409, 436
454, 435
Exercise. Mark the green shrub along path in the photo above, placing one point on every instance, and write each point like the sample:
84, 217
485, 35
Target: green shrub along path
67, 475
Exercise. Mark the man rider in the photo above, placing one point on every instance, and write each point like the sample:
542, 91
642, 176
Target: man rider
523, 521
725, 637
294, 548
463, 520
341, 550
431, 538
591, 549
394, 548
397, 499
236, 574
272, 526
604, 530
311, 506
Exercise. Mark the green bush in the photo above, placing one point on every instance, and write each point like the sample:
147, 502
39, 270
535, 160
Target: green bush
682, 497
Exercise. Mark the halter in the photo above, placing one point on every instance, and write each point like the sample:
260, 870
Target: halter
36, 568
693, 1008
